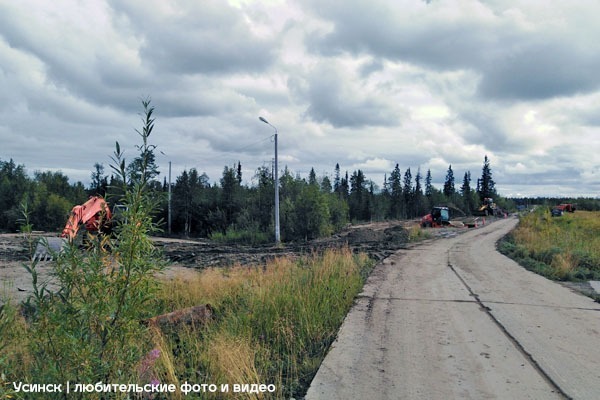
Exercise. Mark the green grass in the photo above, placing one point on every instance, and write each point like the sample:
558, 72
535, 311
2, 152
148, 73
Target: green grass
563, 248
247, 236
273, 325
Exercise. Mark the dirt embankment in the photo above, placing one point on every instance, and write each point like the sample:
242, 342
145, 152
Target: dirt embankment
379, 240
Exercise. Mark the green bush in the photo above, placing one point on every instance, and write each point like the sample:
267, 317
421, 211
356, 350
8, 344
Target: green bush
88, 329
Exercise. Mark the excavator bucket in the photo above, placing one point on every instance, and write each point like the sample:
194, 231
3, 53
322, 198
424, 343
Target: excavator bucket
47, 248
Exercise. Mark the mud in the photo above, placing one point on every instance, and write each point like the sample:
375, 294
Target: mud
378, 240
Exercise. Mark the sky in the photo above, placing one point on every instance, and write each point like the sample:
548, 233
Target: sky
363, 84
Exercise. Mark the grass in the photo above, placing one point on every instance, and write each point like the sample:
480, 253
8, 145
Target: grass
565, 248
247, 236
272, 324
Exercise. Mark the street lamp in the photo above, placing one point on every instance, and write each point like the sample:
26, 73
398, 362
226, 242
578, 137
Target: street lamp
277, 235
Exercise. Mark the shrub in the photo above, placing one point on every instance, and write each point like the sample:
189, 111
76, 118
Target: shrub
88, 330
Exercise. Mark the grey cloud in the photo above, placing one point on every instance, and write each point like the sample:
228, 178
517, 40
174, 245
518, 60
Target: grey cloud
370, 67
541, 70
333, 99
514, 63
206, 37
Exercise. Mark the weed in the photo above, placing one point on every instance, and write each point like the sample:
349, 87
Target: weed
563, 248
273, 324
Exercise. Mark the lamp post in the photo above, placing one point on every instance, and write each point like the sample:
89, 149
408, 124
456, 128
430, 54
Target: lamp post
169, 201
277, 235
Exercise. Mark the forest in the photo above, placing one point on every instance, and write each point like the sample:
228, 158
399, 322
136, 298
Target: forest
230, 210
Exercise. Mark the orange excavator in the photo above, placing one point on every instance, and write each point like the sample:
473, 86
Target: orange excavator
94, 214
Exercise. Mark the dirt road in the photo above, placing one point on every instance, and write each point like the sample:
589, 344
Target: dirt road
454, 319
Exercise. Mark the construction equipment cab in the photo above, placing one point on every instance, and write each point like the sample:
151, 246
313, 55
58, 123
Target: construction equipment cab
438, 217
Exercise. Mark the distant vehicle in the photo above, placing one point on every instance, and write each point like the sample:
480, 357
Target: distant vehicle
568, 207
438, 217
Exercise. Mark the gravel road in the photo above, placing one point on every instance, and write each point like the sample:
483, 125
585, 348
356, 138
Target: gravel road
454, 319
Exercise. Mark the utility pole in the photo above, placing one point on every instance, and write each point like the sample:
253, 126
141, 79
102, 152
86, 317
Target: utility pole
169, 199
277, 231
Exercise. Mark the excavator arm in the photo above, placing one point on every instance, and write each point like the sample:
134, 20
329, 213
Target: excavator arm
93, 213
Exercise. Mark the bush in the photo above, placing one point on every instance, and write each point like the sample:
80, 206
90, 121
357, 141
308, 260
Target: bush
88, 330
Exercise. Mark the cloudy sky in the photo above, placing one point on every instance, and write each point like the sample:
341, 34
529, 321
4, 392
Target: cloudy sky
366, 84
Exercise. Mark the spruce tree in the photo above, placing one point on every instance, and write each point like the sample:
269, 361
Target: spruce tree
395, 187
487, 187
465, 191
428, 185
407, 194
449, 183
312, 177
418, 194
336, 179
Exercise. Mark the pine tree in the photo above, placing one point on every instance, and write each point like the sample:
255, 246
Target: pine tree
325, 185
407, 194
239, 173
449, 189
418, 194
395, 187
336, 179
312, 177
428, 185
487, 187
465, 191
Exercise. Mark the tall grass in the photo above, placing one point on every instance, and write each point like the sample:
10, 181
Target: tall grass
562, 248
273, 324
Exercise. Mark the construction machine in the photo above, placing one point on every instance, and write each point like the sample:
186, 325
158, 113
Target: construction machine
488, 208
560, 209
94, 214
438, 217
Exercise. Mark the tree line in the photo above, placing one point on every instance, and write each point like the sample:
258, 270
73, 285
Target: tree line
309, 207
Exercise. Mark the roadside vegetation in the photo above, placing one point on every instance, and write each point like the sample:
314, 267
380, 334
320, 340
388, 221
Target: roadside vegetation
271, 325
565, 248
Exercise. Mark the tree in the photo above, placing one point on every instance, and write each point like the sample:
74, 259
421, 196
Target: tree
465, 191
15, 187
486, 185
312, 177
311, 214
99, 183
449, 189
407, 194
336, 179
229, 196
395, 187
326, 185
358, 200
418, 195
428, 185
344, 187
